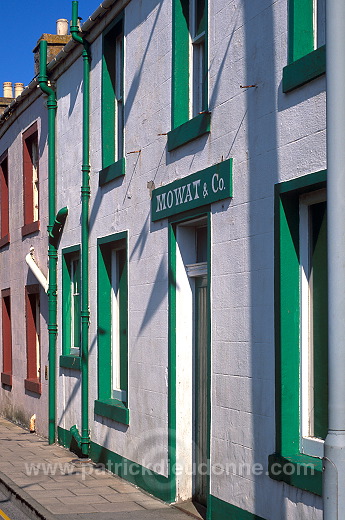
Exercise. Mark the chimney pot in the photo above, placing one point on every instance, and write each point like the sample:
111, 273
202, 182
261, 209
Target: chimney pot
8, 92
18, 89
62, 26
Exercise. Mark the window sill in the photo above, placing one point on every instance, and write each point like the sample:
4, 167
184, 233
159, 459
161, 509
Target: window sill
28, 229
305, 69
189, 131
5, 240
69, 361
113, 171
6, 379
112, 409
33, 385
301, 471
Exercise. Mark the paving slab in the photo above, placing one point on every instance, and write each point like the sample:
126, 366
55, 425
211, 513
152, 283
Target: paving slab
47, 484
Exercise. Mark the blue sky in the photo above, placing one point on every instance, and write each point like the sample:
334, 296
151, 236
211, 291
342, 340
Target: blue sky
22, 23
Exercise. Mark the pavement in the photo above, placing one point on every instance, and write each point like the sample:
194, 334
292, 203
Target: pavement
48, 482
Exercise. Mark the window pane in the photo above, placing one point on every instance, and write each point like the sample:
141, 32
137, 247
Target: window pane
318, 217
37, 320
119, 130
115, 321
313, 320
33, 335
75, 304
71, 297
119, 121
199, 16
6, 335
30, 176
118, 66
34, 159
198, 77
320, 22
201, 244
4, 198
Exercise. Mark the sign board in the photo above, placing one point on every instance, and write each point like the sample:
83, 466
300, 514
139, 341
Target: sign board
200, 188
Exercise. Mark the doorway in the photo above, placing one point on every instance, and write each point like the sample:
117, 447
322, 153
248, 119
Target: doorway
192, 359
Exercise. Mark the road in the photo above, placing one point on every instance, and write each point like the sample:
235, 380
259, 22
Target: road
8, 509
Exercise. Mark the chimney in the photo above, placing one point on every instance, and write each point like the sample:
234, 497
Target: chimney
18, 89
55, 42
8, 92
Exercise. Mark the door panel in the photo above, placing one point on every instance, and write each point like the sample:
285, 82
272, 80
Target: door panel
201, 363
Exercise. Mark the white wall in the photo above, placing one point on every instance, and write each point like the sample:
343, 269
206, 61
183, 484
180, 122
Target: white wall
18, 404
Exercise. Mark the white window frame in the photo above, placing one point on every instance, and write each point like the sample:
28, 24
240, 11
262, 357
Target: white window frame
119, 394
319, 22
309, 445
75, 259
197, 63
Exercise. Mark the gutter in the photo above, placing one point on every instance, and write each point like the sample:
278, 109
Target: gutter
85, 198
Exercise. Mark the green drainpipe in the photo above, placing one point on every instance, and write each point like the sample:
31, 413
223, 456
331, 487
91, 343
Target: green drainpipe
85, 197
52, 251
58, 224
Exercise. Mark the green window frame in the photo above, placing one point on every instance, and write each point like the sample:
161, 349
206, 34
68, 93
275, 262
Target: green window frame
190, 117
113, 122
71, 318
306, 60
112, 332
290, 463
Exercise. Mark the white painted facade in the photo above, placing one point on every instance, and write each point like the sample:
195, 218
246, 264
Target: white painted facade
272, 137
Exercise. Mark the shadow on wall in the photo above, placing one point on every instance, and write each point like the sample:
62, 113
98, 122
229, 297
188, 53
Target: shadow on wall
64, 88
72, 396
263, 167
134, 19
157, 295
